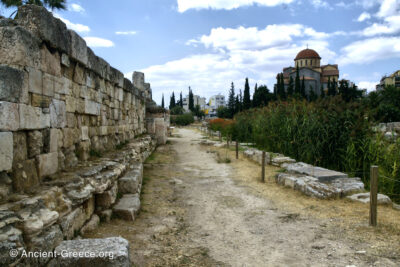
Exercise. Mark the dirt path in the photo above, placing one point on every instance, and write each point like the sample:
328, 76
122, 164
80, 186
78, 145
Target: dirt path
196, 212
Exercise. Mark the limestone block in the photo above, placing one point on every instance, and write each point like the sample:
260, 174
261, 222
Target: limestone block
83, 150
132, 180
89, 207
50, 62
365, 198
63, 86
25, 176
9, 119
91, 225
105, 215
79, 75
71, 137
71, 120
127, 207
54, 140
80, 195
19, 47
40, 101
41, 23
138, 80
106, 252
78, 48
20, 146
6, 151
58, 115
70, 104
35, 143
92, 108
107, 199
73, 222
35, 80
65, 60
84, 133
32, 118
48, 84
13, 85
47, 164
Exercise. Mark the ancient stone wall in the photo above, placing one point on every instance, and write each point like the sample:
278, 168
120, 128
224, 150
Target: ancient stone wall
59, 102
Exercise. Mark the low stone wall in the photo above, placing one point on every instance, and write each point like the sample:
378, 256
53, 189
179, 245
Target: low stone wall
59, 102
73, 203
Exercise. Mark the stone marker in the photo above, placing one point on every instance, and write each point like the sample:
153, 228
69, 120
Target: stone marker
107, 252
127, 207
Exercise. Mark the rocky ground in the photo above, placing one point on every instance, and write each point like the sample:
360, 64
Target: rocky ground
198, 212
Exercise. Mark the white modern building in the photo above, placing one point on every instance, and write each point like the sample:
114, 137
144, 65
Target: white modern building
215, 102
197, 100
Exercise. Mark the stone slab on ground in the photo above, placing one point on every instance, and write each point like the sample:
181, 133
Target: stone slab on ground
107, 252
365, 198
127, 207
322, 174
132, 180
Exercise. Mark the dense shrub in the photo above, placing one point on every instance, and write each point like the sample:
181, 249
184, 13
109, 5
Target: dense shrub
329, 133
182, 120
222, 125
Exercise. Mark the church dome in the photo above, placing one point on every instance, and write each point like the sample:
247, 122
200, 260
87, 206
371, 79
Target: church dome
307, 54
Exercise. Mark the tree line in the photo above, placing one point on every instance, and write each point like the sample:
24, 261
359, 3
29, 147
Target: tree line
176, 107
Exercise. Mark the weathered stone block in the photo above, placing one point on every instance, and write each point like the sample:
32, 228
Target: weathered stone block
62, 86
6, 151
70, 103
54, 140
58, 114
40, 101
48, 84
73, 222
71, 137
107, 199
19, 47
132, 180
65, 60
20, 147
108, 252
13, 85
35, 80
50, 62
78, 48
92, 108
84, 133
79, 75
32, 118
35, 143
127, 207
9, 118
41, 22
91, 225
25, 176
47, 164
83, 150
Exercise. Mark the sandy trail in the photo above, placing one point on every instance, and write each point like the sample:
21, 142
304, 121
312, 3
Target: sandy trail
195, 213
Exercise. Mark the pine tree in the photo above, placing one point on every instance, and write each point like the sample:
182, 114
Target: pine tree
237, 104
290, 90
241, 100
162, 101
231, 101
297, 89
303, 88
172, 101
181, 100
191, 100
246, 96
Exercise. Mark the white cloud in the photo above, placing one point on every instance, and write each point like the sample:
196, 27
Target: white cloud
364, 16
259, 56
388, 8
184, 5
370, 86
391, 25
76, 8
126, 33
370, 50
320, 4
98, 42
367, 3
73, 26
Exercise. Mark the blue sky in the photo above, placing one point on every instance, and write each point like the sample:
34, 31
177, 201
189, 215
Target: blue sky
207, 44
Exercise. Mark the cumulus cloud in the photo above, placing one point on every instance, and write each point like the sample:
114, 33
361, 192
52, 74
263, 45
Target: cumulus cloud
76, 8
370, 86
370, 50
126, 33
184, 5
80, 28
364, 16
98, 42
320, 4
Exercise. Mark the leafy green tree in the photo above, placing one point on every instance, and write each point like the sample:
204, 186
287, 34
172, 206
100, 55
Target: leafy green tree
246, 96
162, 101
223, 112
191, 100
177, 110
262, 96
231, 101
198, 112
172, 103
331, 87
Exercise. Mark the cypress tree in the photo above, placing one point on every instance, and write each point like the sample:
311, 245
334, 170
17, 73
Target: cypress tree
231, 101
297, 89
241, 100
172, 101
237, 104
181, 100
283, 92
322, 92
191, 100
246, 96
303, 88
290, 87
162, 101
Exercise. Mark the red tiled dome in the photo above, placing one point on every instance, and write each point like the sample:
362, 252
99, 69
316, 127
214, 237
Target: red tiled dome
306, 54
